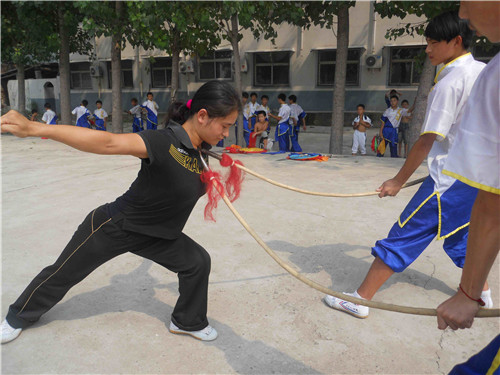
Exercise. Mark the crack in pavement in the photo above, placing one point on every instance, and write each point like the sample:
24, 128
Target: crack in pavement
440, 343
432, 274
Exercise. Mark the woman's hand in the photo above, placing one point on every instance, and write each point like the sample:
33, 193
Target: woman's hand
15, 123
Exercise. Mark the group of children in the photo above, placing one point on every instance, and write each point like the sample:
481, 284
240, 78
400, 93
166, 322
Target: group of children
394, 128
99, 118
256, 122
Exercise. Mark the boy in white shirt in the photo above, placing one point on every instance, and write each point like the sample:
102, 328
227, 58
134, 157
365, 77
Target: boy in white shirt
442, 206
49, 117
282, 134
152, 109
390, 123
297, 118
136, 111
101, 116
82, 114
254, 107
360, 124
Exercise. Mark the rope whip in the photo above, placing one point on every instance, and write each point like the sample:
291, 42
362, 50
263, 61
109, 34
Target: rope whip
298, 190
482, 313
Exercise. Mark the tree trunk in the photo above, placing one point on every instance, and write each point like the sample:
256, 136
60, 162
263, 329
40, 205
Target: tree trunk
21, 92
237, 72
336, 135
175, 73
116, 72
426, 80
64, 70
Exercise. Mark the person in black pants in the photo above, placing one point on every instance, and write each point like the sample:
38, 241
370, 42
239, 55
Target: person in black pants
148, 219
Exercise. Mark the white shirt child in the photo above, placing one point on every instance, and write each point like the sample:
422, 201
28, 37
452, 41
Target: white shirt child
48, 116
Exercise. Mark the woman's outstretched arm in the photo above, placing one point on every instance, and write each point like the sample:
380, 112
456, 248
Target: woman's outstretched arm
83, 139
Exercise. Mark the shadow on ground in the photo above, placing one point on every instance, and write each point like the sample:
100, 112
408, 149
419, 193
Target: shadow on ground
348, 271
135, 291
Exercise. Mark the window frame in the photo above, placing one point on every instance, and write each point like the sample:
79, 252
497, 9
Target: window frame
168, 83
80, 71
411, 60
272, 65
204, 60
360, 50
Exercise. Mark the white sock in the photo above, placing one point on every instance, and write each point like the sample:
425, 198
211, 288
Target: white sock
356, 294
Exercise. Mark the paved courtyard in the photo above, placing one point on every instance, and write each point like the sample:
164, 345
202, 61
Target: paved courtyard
116, 320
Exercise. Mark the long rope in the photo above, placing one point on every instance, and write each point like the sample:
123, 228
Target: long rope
482, 313
298, 190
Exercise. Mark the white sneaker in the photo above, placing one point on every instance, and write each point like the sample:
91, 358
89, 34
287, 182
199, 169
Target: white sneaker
9, 333
359, 311
486, 297
206, 334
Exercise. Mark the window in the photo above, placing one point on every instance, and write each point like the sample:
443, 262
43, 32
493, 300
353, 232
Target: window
127, 74
80, 75
161, 72
326, 67
485, 53
215, 65
272, 68
402, 68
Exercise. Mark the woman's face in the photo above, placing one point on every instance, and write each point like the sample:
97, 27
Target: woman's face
212, 130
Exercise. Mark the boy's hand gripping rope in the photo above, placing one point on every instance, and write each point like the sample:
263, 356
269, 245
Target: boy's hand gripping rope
212, 180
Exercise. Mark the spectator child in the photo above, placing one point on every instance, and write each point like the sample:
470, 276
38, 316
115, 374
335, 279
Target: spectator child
152, 112
101, 116
82, 114
360, 124
136, 111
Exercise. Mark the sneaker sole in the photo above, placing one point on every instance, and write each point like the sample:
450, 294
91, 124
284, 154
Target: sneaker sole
346, 311
188, 334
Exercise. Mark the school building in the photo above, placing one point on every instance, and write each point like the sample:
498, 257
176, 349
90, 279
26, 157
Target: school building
300, 62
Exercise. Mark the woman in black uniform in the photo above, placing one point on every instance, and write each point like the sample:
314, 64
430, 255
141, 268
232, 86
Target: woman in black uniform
148, 219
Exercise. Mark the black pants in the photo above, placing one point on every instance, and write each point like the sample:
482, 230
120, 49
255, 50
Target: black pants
98, 239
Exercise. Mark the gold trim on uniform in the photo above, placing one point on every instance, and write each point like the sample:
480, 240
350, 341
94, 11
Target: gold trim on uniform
187, 162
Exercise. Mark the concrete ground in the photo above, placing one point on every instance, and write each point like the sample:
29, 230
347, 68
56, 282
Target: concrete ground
116, 320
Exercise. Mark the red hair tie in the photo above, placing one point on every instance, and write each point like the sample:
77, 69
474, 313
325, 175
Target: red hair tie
188, 104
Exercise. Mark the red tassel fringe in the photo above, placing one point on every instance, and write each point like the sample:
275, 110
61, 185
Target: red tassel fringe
215, 189
235, 177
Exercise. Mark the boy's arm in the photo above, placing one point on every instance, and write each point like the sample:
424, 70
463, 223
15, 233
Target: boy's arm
417, 155
82, 139
381, 128
304, 123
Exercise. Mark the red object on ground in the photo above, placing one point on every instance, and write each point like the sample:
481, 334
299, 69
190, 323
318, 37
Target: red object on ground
214, 189
235, 177
252, 140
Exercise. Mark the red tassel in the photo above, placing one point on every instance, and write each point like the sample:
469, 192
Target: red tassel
214, 191
235, 177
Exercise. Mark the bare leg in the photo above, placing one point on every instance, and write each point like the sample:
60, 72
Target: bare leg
378, 274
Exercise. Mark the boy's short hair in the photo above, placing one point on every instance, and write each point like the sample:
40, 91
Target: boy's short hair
134, 100
395, 96
149, 93
85, 103
33, 111
98, 101
405, 101
282, 96
254, 94
244, 94
264, 97
293, 98
47, 105
260, 113
360, 105
447, 26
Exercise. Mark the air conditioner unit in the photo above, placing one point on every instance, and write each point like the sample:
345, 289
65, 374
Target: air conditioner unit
243, 64
95, 70
186, 67
373, 61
